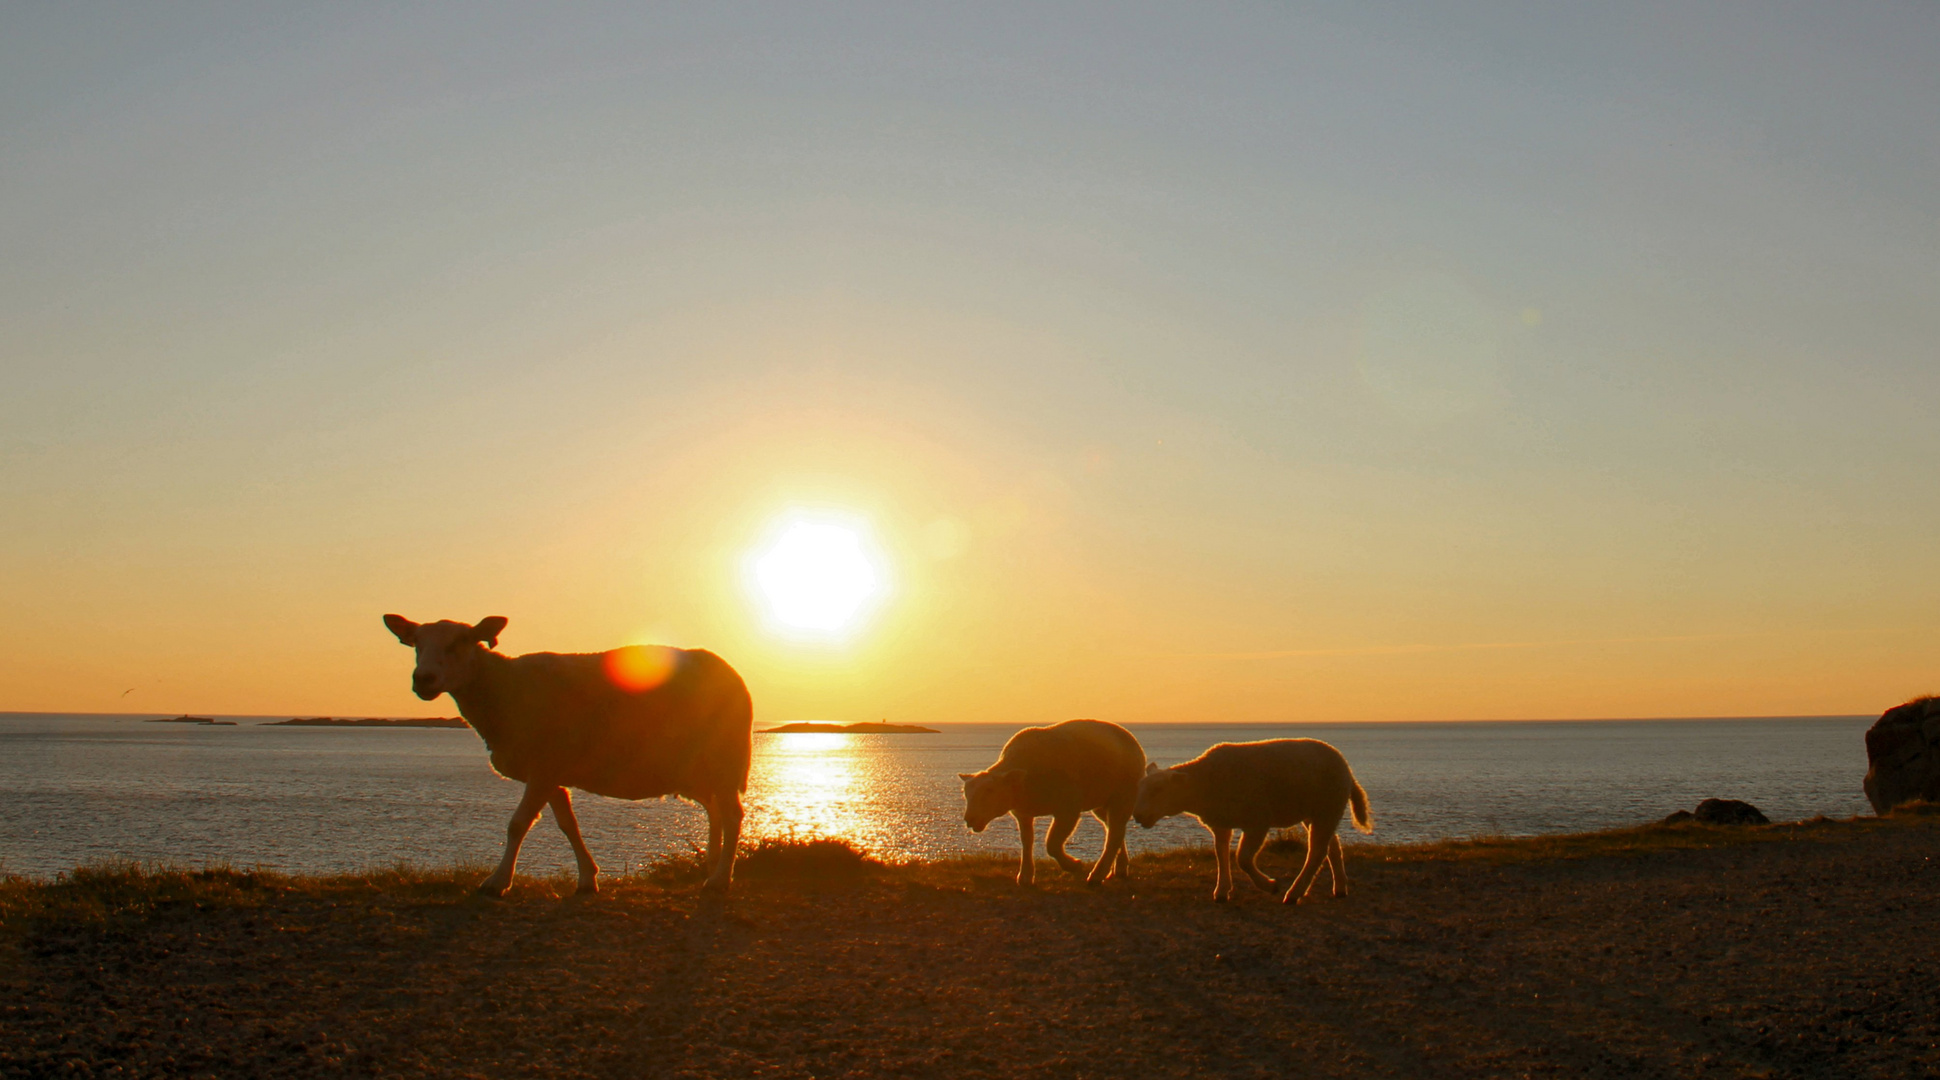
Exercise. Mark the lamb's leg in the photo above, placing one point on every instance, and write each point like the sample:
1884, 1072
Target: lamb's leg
561, 802
723, 812
1027, 834
1111, 862
1062, 826
1337, 865
522, 819
1250, 844
1223, 849
1320, 834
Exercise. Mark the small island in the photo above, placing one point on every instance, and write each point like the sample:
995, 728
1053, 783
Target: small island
371, 721
866, 728
186, 719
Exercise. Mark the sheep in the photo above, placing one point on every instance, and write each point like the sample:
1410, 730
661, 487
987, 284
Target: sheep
632, 723
1062, 770
1257, 786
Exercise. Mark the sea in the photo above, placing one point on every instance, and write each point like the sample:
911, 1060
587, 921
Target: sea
79, 790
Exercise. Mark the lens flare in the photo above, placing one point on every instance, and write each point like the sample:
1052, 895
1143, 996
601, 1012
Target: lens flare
639, 668
818, 576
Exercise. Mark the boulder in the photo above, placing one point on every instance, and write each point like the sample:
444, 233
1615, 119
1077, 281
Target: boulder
1903, 755
1720, 812
1729, 812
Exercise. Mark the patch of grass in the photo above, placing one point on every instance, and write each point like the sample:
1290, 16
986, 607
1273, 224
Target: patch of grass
821, 857
1632, 841
1916, 808
770, 858
679, 868
114, 892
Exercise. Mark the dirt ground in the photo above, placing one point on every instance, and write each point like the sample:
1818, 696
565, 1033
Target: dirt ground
1784, 951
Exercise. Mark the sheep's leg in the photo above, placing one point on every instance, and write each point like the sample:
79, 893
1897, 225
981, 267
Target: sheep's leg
1111, 862
1027, 834
723, 813
1223, 849
1320, 834
1122, 865
522, 819
561, 802
1250, 844
1337, 865
1061, 829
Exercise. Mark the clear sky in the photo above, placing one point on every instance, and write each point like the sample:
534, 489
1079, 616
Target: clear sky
1183, 362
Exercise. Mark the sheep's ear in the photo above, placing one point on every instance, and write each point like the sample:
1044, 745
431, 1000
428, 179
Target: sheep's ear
488, 630
405, 629
966, 777
1151, 767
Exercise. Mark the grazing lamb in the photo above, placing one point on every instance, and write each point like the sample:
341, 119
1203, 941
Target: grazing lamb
1062, 770
632, 723
1256, 787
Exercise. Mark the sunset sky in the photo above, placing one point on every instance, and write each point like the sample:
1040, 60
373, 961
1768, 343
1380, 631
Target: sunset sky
1263, 362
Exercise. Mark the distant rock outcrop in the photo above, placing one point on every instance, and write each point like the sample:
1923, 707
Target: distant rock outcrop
1903, 755
371, 721
1721, 812
864, 728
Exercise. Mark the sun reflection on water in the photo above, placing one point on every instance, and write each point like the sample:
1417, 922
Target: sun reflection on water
813, 784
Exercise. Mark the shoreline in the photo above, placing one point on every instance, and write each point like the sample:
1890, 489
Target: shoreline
1781, 950
1653, 836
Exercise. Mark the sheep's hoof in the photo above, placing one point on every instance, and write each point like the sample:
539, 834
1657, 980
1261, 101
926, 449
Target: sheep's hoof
489, 892
591, 888
713, 887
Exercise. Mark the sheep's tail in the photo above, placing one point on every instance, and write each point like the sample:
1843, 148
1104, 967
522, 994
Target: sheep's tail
1363, 814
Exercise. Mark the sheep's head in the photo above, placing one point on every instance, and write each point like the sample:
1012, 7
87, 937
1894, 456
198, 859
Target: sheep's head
1161, 794
448, 651
990, 794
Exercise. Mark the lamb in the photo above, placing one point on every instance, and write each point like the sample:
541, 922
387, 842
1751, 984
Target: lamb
1256, 787
632, 723
1062, 770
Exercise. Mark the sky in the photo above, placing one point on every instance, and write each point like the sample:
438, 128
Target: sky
1213, 362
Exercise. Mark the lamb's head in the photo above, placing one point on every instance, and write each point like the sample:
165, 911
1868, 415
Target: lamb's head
448, 651
990, 794
1161, 794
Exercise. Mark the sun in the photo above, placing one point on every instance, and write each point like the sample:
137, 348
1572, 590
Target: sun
818, 576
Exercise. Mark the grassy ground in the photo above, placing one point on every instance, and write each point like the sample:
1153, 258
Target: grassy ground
1794, 950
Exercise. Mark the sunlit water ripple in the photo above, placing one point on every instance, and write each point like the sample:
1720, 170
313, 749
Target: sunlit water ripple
81, 789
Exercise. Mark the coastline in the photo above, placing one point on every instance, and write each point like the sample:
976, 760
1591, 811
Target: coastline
1782, 950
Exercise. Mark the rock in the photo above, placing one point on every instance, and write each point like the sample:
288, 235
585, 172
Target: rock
1720, 812
1903, 755
1729, 812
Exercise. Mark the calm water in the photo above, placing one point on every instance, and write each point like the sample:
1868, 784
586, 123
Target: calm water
79, 789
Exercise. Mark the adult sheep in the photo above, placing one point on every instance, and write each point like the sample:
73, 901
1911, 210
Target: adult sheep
1258, 787
1062, 770
633, 723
